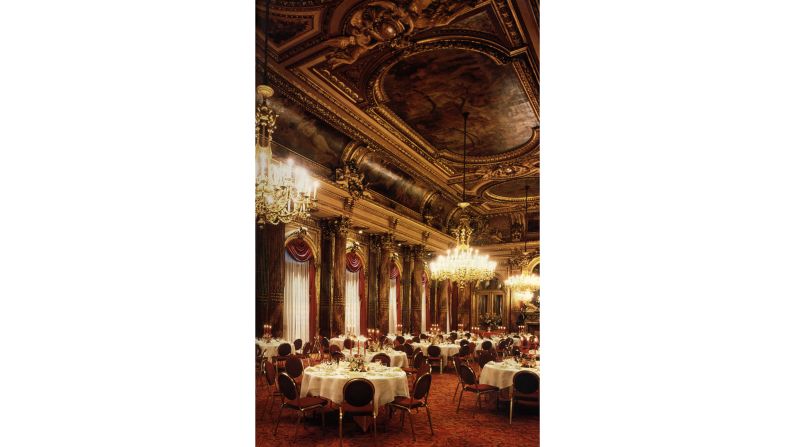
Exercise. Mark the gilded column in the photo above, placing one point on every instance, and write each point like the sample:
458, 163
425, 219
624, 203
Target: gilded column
274, 256
340, 226
417, 252
326, 273
387, 244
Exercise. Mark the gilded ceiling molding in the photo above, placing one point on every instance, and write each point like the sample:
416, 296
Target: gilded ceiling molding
382, 22
313, 104
352, 180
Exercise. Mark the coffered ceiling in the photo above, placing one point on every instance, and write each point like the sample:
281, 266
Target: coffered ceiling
382, 85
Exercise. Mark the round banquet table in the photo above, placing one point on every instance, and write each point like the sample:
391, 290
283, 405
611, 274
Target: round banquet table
269, 348
501, 374
396, 358
327, 381
448, 350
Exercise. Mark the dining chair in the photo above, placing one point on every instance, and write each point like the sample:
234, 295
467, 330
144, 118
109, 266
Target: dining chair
294, 368
290, 400
337, 356
358, 399
416, 361
269, 371
486, 357
282, 352
470, 384
348, 344
400, 339
458, 359
385, 359
526, 385
324, 347
417, 400
435, 357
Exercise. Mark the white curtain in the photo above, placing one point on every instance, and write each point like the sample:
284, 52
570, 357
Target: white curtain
422, 323
296, 299
352, 305
392, 306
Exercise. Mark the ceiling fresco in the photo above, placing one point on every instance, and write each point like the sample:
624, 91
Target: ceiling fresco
304, 134
429, 91
392, 183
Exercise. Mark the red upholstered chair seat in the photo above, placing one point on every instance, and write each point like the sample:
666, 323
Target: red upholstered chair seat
407, 402
482, 387
518, 395
305, 402
350, 409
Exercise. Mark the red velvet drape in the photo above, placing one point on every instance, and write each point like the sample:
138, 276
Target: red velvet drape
426, 285
354, 263
299, 250
394, 273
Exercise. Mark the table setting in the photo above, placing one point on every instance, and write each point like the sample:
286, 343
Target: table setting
328, 378
447, 349
269, 346
500, 374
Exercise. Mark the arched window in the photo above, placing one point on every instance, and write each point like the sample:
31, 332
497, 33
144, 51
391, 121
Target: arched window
355, 293
300, 311
394, 298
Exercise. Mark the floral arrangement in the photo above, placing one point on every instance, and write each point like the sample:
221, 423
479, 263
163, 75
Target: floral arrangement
357, 364
489, 321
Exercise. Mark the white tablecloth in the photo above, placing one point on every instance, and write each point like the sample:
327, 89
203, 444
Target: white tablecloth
328, 384
448, 350
269, 348
396, 358
501, 374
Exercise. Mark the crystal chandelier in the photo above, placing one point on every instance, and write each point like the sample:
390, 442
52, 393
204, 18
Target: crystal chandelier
283, 192
464, 263
525, 284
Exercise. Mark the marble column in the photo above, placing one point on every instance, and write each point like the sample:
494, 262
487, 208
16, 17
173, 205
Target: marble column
260, 281
442, 300
273, 259
326, 263
340, 226
464, 307
387, 245
405, 293
373, 260
417, 253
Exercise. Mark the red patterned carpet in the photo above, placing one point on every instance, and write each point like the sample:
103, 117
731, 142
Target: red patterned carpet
488, 428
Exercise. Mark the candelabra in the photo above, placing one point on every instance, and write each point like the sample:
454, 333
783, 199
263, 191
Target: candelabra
266, 331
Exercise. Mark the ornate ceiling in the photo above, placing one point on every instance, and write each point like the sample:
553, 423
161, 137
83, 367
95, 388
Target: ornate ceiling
380, 86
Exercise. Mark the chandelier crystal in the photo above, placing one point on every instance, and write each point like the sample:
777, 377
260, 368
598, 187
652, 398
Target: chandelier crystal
464, 263
525, 284
283, 192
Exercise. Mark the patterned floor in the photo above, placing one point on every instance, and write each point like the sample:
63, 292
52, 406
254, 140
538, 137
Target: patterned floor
488, 427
